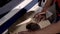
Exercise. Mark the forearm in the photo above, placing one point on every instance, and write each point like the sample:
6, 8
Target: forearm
47, 5
54, 28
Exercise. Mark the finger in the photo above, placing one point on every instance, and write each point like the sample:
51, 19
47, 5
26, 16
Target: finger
36, 14
39, 18
43, 18
39, 14
36, 18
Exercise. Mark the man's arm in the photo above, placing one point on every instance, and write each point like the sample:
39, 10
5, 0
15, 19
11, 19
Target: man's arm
45, 8
47, 5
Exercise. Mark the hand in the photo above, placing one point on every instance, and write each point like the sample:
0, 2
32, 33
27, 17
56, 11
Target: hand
40, 16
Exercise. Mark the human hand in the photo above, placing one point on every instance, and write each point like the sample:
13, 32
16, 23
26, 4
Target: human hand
40, 16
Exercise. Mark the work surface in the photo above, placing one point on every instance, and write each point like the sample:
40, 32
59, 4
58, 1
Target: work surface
20, 24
